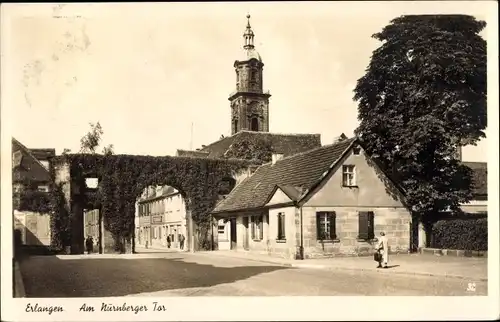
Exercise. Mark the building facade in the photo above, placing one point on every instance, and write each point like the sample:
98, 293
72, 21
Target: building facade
330, 201
31, 180
160, 213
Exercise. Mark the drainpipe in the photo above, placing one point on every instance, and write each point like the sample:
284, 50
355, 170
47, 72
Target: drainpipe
301, 249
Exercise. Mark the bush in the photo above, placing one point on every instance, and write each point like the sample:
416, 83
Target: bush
461, 234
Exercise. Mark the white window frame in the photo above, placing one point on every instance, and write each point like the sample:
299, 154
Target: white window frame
256, 227
349, 175
324, 220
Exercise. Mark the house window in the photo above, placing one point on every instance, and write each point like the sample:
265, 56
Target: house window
257, 231
366, 225
159, 232
43, 188
356, 150
281, 226
221, 229
348, 176
326, 226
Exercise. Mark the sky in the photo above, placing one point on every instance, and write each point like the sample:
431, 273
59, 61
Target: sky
157, 76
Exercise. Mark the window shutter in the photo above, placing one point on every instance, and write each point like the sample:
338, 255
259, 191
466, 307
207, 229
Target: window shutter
252, 224
371, 225
283, 233
363, 225
333, 225
280, 226
318, 226
261, 228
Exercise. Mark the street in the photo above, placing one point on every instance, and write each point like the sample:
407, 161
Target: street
185, 274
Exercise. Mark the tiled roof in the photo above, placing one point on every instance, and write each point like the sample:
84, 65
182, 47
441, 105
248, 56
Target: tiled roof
43, 154
29, 169
299, 172
196, 154
286, 144
479, 176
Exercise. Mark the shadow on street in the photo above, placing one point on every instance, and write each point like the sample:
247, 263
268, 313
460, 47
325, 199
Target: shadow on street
48, 276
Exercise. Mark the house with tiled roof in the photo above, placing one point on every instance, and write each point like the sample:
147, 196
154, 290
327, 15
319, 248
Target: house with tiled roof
30, 186
328, 201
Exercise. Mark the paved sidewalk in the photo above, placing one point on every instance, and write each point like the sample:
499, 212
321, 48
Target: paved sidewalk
473, 269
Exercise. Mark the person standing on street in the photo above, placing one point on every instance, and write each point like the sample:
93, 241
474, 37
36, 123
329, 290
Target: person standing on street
383, 249
181, 240
87, 245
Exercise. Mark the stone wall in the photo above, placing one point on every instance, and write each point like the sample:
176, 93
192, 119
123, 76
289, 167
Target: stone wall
283, 248
395, 222
34, 227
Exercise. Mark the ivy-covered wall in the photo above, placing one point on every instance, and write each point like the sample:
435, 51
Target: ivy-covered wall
122, 178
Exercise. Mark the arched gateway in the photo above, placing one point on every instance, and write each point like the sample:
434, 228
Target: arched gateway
120, 180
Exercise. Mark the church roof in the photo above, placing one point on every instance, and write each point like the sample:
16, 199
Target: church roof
286, 144
193, 154
252, 54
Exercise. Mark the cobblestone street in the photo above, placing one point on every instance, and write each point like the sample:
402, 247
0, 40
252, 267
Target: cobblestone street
185, 274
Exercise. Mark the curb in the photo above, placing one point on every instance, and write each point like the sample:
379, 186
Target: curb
327, 267
454, 252
324, 267
19, 290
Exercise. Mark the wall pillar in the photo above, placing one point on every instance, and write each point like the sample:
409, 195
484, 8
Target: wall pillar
62, 178
422, 236
189, 232
77, 233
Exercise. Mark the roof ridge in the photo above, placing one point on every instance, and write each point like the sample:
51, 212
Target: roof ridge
279, 133
183, 150
30, 154
312, 150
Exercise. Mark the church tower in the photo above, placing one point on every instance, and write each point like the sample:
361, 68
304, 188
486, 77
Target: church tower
249, 103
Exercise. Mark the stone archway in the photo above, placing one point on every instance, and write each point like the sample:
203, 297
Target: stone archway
123, 178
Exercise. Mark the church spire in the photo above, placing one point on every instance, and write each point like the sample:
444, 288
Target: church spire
248, 35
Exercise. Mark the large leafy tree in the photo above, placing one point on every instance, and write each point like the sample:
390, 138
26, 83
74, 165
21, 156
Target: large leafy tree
423, 95
92, 139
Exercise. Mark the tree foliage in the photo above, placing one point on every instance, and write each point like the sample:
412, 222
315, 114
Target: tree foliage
122, 179
424, 94
257, 150
90, 141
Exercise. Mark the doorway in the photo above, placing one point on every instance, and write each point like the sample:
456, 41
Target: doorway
232, 225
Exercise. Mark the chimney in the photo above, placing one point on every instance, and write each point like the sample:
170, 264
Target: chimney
276, 157
339, 138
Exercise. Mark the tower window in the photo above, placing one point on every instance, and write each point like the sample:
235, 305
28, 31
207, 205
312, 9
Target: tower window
235, 124
254, 124
253, 75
